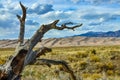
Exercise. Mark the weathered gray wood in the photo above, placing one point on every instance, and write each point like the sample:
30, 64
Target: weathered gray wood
22, 23
41, 31
65, 67
37, 53
24, 54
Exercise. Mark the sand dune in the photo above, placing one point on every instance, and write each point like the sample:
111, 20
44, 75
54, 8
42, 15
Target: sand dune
71, 41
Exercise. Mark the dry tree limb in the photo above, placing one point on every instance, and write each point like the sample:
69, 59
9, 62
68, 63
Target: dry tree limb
49, 62
42, 51
22, 23
24, 53
39, 52
13, 67
43, 29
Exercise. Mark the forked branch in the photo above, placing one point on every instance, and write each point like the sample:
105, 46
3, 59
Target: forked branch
22, 23
63, 26
44, 28
35, 54
24, 53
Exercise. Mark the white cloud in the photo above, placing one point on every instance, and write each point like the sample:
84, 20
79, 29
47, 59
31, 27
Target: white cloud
57, 15
75, 1
3, 17
97, 1
93, 17
101, 19
31, 22
6, 32
40, 8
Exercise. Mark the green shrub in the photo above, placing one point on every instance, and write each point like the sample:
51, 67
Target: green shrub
2, 60
117, 72
93, 51
86, 75
83, 65
94, 58
110, 65
72, 59
96, 76
81, 55
110, 72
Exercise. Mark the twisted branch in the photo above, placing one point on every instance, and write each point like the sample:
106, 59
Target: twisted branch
44, 28
24, 53
49, 62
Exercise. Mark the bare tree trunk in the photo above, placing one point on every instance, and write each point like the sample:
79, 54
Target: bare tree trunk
24, 54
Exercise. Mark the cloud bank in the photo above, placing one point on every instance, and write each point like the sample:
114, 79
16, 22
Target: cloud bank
96, 15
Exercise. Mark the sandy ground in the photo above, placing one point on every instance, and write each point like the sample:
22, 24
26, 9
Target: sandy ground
65, 42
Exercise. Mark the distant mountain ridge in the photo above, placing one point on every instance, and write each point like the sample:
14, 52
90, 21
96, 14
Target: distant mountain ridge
87, 39
101, 34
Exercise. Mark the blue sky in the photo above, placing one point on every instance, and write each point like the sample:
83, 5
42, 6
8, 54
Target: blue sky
96, 15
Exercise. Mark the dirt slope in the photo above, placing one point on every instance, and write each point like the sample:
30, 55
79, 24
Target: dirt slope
71, 41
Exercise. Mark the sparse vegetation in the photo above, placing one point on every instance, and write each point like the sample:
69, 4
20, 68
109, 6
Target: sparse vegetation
87, 62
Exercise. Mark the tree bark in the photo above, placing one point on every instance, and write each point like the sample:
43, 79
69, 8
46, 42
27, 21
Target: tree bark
24, 54
22, 23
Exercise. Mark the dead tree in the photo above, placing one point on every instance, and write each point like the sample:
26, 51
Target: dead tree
24, 53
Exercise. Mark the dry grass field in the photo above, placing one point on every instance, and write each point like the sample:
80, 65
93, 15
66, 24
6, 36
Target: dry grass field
87, 62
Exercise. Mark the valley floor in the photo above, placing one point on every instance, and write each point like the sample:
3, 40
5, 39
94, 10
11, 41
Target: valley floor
87, 62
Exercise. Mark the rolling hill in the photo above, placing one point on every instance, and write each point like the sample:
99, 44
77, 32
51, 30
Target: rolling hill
70, 41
